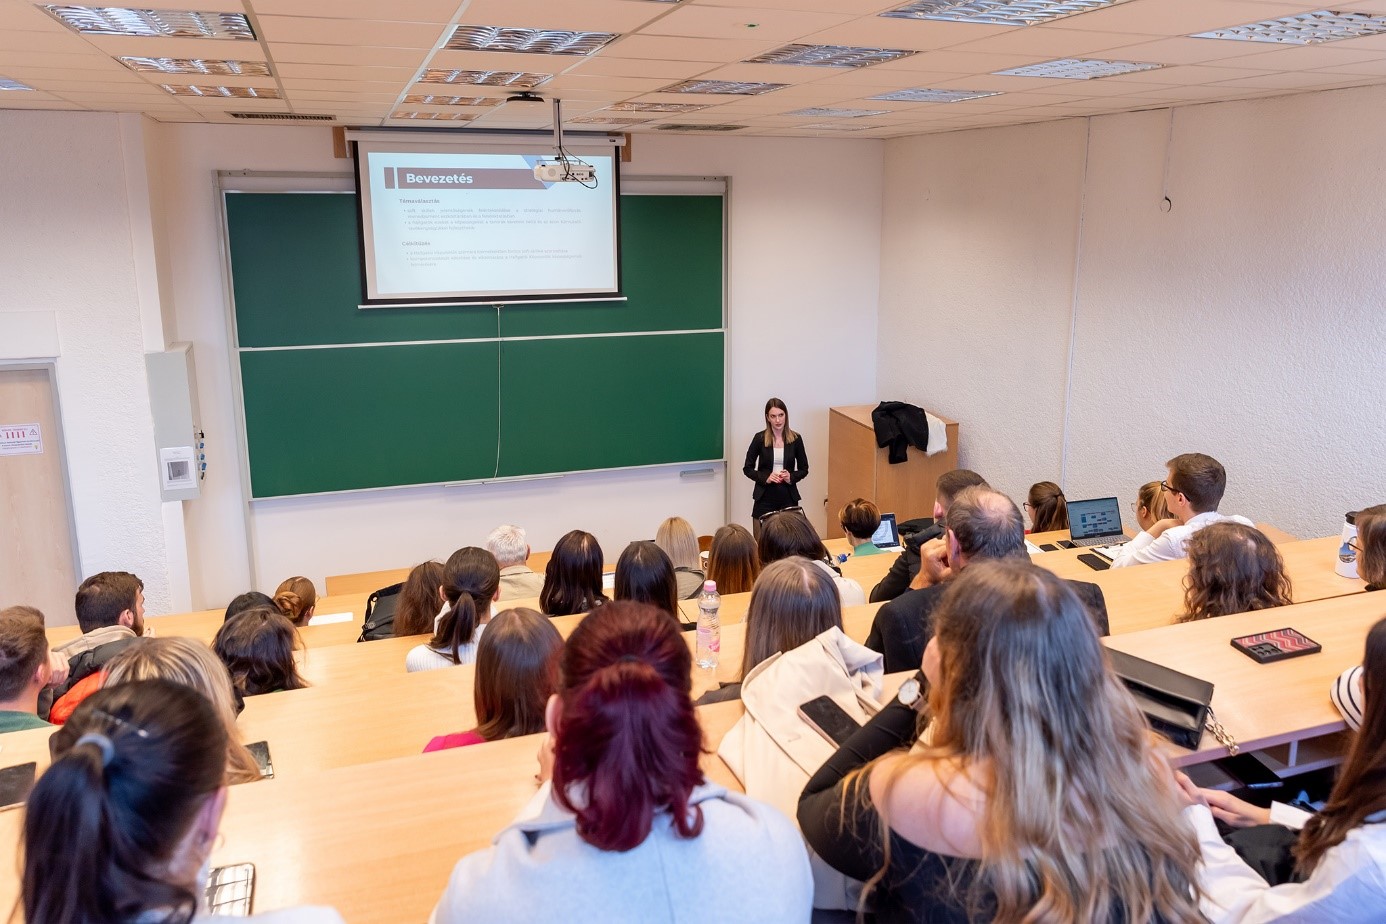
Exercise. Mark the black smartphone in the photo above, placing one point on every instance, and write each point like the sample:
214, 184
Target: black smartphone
1095, 562
1066, 544
15, 783
1248, 771
229, 889
829, 719
260, 749
1049, 547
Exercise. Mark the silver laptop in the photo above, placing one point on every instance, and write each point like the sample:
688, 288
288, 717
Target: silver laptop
887, 535
1095, 522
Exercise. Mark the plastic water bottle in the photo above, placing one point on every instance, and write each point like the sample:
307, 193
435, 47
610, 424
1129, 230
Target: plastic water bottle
709, 626
1346, 565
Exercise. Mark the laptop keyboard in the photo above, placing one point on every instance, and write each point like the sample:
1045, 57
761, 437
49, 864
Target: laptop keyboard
1099, 540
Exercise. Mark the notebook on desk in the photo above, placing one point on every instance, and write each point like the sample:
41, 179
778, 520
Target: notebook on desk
1095, 522
887, 535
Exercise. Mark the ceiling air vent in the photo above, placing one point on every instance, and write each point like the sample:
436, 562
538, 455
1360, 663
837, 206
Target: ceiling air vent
678, 127
283, 116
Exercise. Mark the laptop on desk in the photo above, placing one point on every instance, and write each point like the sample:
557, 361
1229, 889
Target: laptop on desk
887, 535
1096, 524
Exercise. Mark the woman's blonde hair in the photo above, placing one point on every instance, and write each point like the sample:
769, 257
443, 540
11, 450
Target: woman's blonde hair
793, 601
296, 598
1152, 497
678, 540
1233, 568
192, 663
1081, 821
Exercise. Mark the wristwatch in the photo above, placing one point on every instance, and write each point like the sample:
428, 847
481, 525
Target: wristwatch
911, 692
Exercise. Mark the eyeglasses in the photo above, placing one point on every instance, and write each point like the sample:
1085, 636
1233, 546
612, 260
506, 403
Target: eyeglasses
1352, 544
1168, 488
1028, 506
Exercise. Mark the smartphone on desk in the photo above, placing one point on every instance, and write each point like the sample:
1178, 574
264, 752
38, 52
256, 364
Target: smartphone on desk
1095, 562
829, 719
15, 783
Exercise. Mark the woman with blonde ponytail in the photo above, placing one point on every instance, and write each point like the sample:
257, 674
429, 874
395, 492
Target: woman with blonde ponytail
627, 829
471, 583
1038, 796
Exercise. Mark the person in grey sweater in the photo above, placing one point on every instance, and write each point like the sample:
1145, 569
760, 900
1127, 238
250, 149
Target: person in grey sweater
624, 827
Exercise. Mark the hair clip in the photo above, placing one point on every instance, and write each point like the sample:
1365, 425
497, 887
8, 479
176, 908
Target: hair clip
121, 722
103, 744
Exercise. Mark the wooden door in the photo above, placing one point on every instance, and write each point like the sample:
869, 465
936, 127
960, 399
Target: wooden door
37, 552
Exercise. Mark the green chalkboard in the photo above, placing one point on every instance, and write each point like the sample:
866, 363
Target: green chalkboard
340, 398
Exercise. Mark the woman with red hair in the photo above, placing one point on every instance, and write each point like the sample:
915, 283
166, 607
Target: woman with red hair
624, 826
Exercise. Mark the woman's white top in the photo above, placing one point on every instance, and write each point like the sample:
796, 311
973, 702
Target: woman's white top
847, 589
424, 658
779, 458
1348, 885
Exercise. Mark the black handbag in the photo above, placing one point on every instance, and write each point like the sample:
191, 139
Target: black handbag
1176, 705
380, 613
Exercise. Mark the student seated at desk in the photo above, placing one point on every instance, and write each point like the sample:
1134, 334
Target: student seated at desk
793, 601
1038, 794
1193, 488
678, 540
644, 574
1047, 506
1337, 867
249, 600
859, 519
110, 611
296, 598
516, 673
1149, 505
788, 533
904, 572
471, 583
573, 577
417, 612
1233, 569
732, 560
121, 826
518, 581
26, 668
257, 647
1371, 567
625, 828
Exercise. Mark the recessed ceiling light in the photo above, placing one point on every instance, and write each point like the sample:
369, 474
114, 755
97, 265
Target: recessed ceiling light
830, 55
196, 66
656, 107
839, 127
1078, 69
8, 84
529, 41
1304, 28
732, 87
484, 78
433, 116
927, 95
231, 92
679, 127
830, 113
114, 20
997, 12
430, 99
608, 120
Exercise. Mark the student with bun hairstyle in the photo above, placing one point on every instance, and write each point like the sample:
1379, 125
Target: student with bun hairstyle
644, 574
471, 583
573, 577
733, 561
258, 648
121, 826
1047, 506
627, 828
296, 598
418, 610
1233, 569
516, 673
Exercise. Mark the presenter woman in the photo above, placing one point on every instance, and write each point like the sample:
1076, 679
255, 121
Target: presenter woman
776, 462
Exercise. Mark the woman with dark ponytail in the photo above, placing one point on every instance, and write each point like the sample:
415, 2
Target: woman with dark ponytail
623, 750
120, 828
471, 583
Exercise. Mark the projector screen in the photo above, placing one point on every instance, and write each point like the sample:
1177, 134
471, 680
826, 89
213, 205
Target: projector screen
450, 223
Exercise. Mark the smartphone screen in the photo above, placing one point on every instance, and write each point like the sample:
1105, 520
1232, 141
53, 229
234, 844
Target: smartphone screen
15, 783
229, 889
829, 719
262, 757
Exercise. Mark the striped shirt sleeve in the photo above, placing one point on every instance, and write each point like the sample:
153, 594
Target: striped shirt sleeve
1347, 696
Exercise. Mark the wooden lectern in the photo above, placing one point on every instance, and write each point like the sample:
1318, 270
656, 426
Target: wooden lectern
858, 468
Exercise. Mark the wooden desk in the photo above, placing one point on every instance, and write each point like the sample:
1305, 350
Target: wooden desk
366, 582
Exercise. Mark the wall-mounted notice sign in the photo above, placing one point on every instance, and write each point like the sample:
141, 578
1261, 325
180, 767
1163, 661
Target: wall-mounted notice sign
20, 439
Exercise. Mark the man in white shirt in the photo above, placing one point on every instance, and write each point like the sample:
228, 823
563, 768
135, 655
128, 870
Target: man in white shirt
517, 580
1193, 489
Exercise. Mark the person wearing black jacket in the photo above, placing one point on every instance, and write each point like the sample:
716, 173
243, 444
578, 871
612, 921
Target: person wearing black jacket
982, 525
906, 565
776, 462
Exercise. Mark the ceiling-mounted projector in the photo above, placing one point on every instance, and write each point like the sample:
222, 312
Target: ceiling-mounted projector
563, 169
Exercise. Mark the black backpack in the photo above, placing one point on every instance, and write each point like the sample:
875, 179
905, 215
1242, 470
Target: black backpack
380, 613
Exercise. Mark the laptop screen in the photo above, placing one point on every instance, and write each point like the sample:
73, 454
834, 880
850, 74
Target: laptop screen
1099, 517
886, 535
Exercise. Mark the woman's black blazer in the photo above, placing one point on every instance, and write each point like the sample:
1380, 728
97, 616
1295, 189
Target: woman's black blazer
760, 464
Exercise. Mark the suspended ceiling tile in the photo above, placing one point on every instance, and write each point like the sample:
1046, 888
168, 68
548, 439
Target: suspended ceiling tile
1308, 57
567, 82
957, 61
915, 34
343, 72
772, 73
359, 56
855, 7
721, 22
438, 11
60, 42
620, 16
672, 48
636, 67
1286, 81
1185, 50
1364, 69
502, 61
343, 86
341, 97
149, 46
320, 31
1050, 42
1179, 17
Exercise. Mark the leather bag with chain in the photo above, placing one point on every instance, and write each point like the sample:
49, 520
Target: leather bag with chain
1176, 704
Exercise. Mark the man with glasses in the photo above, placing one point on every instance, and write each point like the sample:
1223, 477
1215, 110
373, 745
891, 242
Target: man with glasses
1192, 490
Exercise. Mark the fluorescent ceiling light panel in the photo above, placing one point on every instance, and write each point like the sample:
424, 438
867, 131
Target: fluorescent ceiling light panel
1078, 69
825, 112
484, 78
113, 20
724, 87
430, 99
433, 116
656, 107
608, 120
1304, 28
997, 12
830, 56
838, 127
528, 41
196, 66
8, 84
928, 95
678, 127
229, 92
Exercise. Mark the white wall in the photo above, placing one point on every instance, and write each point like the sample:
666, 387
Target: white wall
70, 245
803, 275
1246, 322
